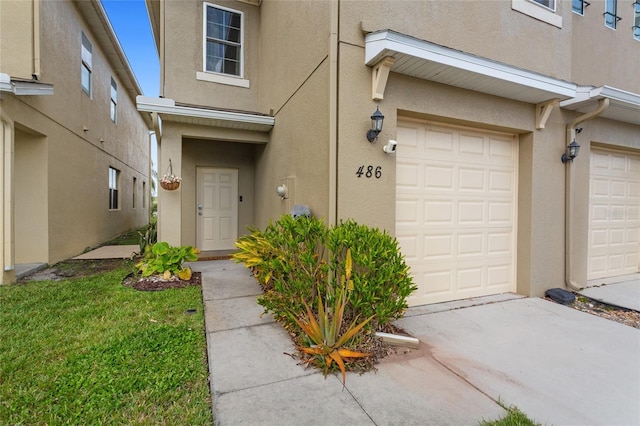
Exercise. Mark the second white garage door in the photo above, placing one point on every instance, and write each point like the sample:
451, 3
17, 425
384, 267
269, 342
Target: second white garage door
614, 222
456, 210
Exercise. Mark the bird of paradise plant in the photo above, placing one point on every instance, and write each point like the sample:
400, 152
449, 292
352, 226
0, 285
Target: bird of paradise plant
324, 332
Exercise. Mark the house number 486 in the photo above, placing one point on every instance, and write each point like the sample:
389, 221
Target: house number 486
369, 171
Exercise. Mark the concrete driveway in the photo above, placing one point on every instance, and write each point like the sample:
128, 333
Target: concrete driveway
556, 364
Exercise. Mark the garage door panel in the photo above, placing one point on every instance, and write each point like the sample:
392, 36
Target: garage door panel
471, 179
614, 224
459, 236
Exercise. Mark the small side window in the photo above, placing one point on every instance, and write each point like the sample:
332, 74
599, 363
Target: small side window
114, 177
636, 20
114, 100
579, 6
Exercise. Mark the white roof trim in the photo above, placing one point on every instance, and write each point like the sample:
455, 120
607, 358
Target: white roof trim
420, 58
623, 106
167, 109
24, 88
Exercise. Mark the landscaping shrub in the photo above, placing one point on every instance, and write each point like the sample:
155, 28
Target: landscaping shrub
288, 261
381, 279
296, 259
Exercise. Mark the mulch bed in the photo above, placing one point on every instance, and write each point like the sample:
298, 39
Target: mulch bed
158, 283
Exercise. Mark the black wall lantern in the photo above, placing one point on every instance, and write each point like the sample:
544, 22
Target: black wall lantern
572, 152
376, 125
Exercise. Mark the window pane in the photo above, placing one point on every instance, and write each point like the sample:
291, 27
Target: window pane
223, 41
551, 4
577, 6
113, 111
86, 79
610, 13
223, 58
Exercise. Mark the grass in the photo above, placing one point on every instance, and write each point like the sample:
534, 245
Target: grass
514, 417
128, 238
90, 351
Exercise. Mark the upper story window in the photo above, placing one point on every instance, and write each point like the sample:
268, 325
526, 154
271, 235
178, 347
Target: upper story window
114, 100
611, 17
636, 20
578, 6
86, 65
223, 40
542, 10
551, 4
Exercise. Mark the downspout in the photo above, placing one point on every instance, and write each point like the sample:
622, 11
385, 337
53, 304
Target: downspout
569, 194
35, 72
333, 113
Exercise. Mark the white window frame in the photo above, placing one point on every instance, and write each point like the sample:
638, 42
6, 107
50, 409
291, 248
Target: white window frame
219, 77
113, 104
537, 11
86, 67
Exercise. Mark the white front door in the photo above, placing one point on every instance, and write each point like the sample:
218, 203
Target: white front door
217, 208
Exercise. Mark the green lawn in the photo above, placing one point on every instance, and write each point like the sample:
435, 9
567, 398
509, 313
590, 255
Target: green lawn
90, 351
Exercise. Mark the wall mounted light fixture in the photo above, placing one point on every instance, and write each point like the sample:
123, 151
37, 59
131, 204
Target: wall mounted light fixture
572, 152
376, 125
282, 191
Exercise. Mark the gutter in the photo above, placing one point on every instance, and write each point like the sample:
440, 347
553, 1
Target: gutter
569, 193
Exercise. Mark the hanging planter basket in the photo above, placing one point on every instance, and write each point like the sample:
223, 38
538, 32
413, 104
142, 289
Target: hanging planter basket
169, 181
170, 186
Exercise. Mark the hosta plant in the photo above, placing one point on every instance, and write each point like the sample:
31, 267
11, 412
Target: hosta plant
325, 334
161, 258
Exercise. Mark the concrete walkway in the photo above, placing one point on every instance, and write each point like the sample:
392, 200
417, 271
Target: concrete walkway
619, 291
558, 365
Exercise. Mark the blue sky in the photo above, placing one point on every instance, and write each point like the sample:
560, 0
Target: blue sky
130, 21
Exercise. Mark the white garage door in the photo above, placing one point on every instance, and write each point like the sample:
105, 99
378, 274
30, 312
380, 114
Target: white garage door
456, 210
614, 225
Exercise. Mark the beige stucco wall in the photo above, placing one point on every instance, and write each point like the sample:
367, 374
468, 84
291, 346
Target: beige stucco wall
65, 144
16, 38
603, 56
183, 44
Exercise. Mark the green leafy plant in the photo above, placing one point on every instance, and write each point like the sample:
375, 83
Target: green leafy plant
327, 341
287, 258
381, 278
161, 258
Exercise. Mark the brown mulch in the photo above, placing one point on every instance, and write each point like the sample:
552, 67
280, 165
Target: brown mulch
158, 283
613, 313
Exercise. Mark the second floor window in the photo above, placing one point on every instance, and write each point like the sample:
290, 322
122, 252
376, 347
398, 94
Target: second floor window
551, 4
611, 13
86, 65
114, 100
223, 40
578, 6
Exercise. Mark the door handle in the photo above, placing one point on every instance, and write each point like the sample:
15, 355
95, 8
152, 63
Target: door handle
199, 206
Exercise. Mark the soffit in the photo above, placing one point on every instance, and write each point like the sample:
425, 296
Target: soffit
429, 61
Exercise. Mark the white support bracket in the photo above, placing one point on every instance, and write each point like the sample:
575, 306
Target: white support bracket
543, 111
379, 76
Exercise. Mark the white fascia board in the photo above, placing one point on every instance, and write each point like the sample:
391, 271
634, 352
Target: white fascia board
168, 106
5, 83
589, 93
24, 88
389, 43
